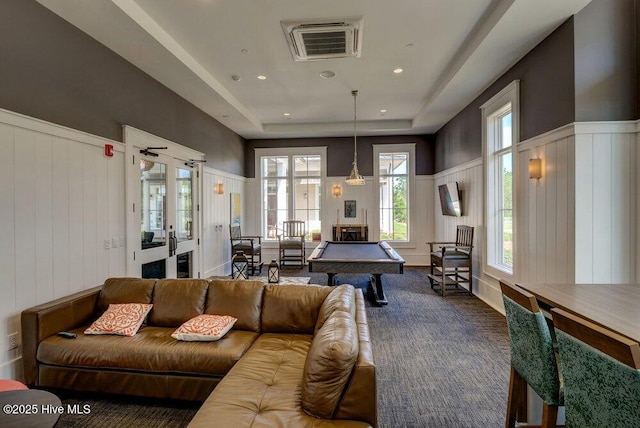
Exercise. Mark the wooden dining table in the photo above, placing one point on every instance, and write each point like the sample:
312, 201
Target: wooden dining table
612, 306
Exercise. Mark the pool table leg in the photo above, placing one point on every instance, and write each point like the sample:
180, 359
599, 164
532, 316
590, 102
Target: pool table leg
376, 289
330, 278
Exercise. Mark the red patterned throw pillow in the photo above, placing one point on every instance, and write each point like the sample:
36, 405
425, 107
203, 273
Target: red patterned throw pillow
122, 319
204, 328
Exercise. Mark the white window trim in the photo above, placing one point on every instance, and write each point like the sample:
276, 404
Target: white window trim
411, 184
289, 151
509, 95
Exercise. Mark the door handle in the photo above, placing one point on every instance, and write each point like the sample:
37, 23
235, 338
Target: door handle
173, 242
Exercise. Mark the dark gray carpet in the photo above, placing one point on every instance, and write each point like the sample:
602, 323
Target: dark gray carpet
441, 362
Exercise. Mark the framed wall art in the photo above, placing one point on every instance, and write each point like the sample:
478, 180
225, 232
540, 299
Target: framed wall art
349, 209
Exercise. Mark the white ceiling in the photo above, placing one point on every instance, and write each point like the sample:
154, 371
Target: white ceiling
450, 51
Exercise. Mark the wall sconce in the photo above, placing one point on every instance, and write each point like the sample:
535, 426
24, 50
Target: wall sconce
336, 190
219, 188
535, 168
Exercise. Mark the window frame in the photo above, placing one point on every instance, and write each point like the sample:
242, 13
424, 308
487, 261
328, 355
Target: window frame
508, 99
410, 149
290, 153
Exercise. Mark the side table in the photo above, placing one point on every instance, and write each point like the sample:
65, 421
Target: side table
29, 408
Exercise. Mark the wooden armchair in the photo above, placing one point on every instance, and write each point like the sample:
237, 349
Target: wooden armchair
291, 242
251, 246
452, 262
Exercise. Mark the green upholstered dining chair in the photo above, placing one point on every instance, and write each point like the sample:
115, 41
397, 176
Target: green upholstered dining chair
533, 358
601, 374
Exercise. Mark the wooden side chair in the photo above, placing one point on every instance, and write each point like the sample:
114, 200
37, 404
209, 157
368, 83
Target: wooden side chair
291, 242
533, 358
251, 246
601, 372
452, 262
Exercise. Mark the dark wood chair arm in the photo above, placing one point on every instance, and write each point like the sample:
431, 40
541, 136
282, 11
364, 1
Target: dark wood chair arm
439, 244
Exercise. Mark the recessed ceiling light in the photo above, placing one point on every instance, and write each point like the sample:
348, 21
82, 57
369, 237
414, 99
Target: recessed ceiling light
398, 70
235, 78
287, 114
244, 51
262, 77
384, 110
327, 74
226, 116
410, 45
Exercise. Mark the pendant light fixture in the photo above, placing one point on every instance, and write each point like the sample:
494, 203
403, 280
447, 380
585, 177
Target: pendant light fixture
355, 179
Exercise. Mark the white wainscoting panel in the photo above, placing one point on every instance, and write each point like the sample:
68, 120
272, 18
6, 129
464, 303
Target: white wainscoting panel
61, 199
605, 207
469, 177
545, 212
578, 222
216, 246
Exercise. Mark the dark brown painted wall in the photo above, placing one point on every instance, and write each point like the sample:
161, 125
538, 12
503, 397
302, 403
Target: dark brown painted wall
546, 100
605, 52
340, 152
52, 71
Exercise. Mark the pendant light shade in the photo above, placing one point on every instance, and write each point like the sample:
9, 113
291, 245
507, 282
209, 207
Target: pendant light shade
355, 179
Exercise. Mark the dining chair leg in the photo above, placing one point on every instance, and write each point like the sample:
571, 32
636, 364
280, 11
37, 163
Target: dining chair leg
549, 415
514, 401
523, 402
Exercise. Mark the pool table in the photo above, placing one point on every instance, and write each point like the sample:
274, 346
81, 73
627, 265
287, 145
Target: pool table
374, 258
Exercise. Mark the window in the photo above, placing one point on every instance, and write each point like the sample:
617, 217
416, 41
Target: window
500, 133
291, 188
395, 177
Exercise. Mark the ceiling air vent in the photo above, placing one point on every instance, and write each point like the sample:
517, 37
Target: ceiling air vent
324, 39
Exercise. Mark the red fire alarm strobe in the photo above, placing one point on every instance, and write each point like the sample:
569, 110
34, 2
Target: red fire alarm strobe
108, 150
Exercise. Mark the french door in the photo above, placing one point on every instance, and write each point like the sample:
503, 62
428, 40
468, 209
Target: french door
163, 217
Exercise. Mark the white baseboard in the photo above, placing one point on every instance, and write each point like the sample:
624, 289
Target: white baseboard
489, 294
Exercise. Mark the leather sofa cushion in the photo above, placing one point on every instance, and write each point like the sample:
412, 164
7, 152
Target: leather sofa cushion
240, 299
152, 349
292, 308
329, 364
124, 290
176, 301
342, 298
263, 389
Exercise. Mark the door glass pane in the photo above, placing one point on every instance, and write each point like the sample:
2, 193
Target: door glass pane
275, 193
275, 166
184, 185
307, 165
153, 188
307, 204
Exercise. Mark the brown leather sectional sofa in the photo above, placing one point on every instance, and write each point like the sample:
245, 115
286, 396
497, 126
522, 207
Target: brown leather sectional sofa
298, 355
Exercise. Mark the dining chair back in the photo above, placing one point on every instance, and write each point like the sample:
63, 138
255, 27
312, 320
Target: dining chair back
533, 358
601, 374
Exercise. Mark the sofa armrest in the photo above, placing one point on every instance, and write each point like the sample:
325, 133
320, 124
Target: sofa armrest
42, 321
360, 398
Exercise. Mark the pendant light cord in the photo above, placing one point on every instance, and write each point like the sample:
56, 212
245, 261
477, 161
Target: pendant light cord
355, 138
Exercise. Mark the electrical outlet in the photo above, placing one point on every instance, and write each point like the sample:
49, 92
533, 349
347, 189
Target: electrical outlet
114, 242
107, 244
13, 341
